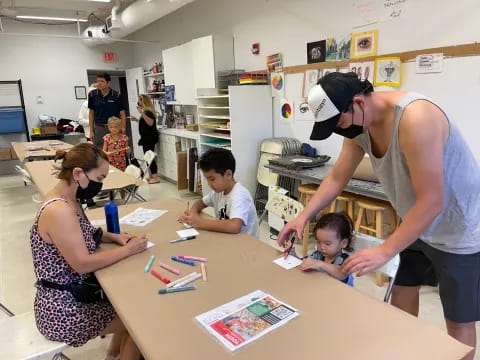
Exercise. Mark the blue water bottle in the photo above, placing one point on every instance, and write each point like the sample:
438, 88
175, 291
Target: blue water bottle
111, 216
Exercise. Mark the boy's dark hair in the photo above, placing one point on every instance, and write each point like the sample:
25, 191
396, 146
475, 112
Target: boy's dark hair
105, 76
219, 160
339, 222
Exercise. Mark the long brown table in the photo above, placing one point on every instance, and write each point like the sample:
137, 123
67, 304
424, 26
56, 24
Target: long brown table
39, 149
335, 322
42, 173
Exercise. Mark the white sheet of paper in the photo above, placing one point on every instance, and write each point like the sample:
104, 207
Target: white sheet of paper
98, 222
187, 232
289, 263
141, 217
187, 226
150, 244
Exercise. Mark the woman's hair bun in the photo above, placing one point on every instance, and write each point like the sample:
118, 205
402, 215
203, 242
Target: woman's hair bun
60, 154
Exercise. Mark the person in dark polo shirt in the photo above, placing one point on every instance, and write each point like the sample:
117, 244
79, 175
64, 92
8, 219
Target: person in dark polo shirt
103, 103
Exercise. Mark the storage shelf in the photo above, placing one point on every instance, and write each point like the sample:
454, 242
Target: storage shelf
217, 146
214, 107
213, 96
153, 75
214, 128
226, 137
156, 93
225, 117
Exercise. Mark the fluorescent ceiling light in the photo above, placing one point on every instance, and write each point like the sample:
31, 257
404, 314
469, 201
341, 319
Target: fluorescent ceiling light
49, 18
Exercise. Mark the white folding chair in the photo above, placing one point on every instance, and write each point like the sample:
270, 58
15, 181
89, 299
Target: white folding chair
27, 180
364, 241
148, 158
282, 206
132, 190
20, 339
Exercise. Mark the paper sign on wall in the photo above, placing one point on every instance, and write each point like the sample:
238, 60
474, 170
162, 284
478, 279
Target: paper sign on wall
429, 63
364, 70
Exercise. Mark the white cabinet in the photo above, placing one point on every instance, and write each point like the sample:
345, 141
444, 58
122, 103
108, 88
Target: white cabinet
195, 65
178, 69
237, 121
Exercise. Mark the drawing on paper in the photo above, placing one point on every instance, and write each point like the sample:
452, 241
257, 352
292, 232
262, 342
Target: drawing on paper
364, 70
316, 51
286, 110
277, 81
364, 44
387, 71
338, 48
310, 78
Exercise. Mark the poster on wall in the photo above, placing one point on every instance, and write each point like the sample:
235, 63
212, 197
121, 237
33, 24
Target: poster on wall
277, 82
316, 51
364, 70
310, 78
338, 48
285, 110
364, 44
387, 71
429, 63
302, 110
275, 62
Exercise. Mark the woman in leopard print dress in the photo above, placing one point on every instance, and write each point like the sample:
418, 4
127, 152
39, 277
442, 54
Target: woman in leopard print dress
63, 249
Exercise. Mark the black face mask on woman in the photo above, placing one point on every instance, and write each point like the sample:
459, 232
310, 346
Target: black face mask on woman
92, 189
353, 130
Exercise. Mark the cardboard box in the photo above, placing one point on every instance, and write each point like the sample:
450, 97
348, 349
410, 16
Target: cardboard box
48, 129
5, 154
182, 182
13, 154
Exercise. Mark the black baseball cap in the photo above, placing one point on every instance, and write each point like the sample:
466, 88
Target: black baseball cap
332, 95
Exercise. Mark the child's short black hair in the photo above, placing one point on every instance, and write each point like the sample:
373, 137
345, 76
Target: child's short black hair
219, 160
339, 222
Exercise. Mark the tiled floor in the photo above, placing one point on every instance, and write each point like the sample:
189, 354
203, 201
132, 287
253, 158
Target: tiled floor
16, 272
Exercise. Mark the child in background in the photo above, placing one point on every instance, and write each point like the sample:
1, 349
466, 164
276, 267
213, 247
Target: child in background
233, 204
333, 232
115, 144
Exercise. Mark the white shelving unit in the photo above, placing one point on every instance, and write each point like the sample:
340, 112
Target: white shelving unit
237, 121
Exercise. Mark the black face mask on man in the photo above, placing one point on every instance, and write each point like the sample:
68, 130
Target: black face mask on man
353, 130
92, 189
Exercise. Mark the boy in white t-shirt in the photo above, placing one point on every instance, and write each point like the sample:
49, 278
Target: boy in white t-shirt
233, 204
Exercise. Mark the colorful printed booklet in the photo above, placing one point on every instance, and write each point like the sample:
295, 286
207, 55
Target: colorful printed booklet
246, 319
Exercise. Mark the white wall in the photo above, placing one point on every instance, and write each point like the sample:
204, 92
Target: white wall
286, 26
51, 67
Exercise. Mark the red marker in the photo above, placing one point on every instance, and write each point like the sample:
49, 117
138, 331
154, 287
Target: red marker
159, 276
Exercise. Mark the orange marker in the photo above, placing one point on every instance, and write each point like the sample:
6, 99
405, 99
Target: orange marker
159, 276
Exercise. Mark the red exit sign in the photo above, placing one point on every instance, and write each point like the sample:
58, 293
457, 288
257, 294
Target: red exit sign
109, 57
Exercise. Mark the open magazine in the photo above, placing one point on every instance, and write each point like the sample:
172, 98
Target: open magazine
246, 319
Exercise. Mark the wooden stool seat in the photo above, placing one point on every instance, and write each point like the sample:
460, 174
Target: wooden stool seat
347, 203
375, 228
306, 194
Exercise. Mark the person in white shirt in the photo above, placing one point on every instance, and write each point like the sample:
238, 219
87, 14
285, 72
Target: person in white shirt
233, 204
83, 118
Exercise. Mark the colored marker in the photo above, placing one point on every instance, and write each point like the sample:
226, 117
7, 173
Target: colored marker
204, 271
194, 258
169, 268
149, 264
171, 290
187, 281
188, 262
181, 279
160, 276
183, 239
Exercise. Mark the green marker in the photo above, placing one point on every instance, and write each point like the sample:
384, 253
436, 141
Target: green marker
172, 289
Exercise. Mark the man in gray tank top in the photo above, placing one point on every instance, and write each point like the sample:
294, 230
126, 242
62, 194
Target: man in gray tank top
430, 177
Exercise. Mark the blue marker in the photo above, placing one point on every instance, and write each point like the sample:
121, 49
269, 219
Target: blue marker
188, 262
149, 264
